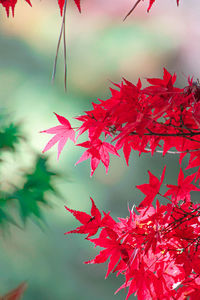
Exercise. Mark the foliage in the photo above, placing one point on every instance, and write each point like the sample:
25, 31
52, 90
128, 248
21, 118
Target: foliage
29, 196
155, 248
9, 134
150, 119
7, 4
62, 133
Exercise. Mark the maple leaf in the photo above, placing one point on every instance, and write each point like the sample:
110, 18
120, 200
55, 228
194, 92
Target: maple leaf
108, 239
151, 2
7, 4
91, 223
62, 133
61, 4
194, 162
151, 189
156, 252
97, 151
196, 113
113, 252
15, 294
78, 4
181, 192
161, 86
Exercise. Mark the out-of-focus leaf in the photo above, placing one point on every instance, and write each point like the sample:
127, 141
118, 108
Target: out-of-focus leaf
32, 194
5, 218
15, 294
36, 182
28, 204
43, 175
9, 137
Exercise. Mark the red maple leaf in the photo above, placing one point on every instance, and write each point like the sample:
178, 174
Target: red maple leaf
61, 4
78, 4
181, 192
7, 4
91, 223
151, 189
15, 294
62, 133
97, 151
151, 2
195, 162
108, 239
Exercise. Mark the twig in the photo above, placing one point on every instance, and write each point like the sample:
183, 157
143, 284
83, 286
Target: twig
173, 152
62, 31
183, 134
65, 50
132, 9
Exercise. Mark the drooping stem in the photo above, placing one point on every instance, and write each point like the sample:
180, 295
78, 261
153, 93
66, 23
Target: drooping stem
62, 32
65, 49
173, 152
132, 9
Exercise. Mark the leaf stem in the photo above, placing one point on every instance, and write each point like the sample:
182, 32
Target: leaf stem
62, 32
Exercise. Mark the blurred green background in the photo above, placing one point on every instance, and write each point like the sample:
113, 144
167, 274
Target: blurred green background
100, 48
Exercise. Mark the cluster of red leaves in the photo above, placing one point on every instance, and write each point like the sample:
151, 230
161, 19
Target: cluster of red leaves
151, 119
7, 4
157, 250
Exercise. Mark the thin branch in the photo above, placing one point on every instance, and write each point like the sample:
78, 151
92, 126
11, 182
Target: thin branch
57, 50
62, 31
177, 223
173, 152
183, 134
132, 9
175, 126
65, 50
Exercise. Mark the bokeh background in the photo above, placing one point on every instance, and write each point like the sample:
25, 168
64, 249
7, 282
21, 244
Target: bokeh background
100, 48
